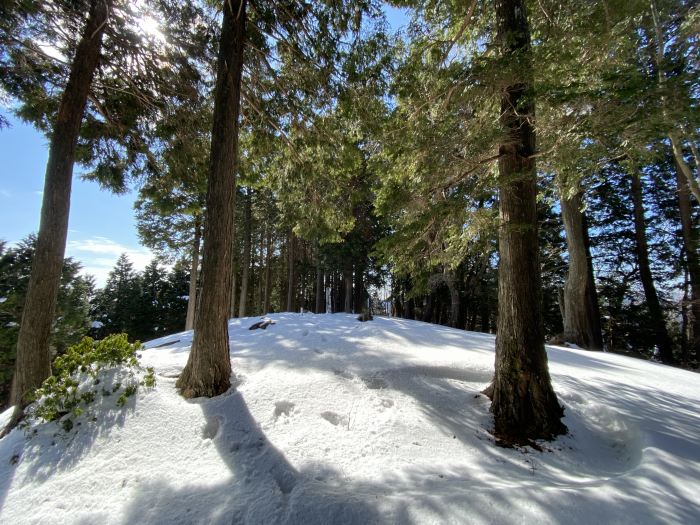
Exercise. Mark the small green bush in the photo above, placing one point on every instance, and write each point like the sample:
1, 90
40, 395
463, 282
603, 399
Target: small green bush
84, 367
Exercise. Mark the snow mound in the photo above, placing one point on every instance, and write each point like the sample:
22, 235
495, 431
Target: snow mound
336, 421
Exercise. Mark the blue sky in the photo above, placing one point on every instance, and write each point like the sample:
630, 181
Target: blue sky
102, 224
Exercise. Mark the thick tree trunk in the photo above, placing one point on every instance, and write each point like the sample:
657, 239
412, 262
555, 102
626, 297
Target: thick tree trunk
690, 243
663, 341
234, 273
245, 270
33, 362
194, 276
523, 402
208, 369
580, 309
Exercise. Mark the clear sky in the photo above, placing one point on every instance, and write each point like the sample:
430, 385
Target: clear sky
102, 224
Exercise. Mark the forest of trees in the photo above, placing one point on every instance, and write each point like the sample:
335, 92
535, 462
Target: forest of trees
529, 169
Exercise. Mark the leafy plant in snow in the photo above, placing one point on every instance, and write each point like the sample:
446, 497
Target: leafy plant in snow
87, 371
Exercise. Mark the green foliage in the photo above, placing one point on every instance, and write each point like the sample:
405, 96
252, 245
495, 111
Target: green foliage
112, 362
144, 304
71, 320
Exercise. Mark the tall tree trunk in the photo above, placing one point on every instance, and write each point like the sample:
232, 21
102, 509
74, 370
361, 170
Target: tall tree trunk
320, 293
208, 369
245, 270
347, 279
261, 269
360, 297
268, 271
690, 243
234, 273
33, 362
523, 401
451, 281
194, 275
581, 312
663, 341
291, 272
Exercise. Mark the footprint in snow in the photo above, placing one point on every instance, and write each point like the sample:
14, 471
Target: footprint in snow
343, 373
211, 428
283, 408
333, 418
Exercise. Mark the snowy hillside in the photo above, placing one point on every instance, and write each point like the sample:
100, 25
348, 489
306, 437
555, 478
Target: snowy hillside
336, 421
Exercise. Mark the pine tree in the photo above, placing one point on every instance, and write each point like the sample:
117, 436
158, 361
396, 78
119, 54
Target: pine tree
208, 368
523, 401
71, 320
33, 357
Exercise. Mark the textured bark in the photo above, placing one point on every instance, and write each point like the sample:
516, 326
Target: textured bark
663, 341
580, 309
194, 276
33, 363
524, 404
245, 263
208, 369
690, 243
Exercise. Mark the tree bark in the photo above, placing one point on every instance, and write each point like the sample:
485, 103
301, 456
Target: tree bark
268, 271
320, 293
208, 369
194, 276
347, 279
581, 312
360, 297
291, 272
33, 362
663, 341
245, 270
690, 243
451, 281
682, 165
524, 404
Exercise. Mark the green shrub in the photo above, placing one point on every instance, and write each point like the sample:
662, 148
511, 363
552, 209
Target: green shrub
89, 369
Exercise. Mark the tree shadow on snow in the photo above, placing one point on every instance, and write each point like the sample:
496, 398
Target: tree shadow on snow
263, 486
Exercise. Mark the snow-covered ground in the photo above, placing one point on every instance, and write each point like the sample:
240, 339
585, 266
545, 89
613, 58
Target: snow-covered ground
333, 421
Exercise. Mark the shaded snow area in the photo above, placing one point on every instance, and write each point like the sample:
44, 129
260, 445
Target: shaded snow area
333, 421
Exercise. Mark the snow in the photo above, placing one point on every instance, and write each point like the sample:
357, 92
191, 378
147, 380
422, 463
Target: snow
336, 421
